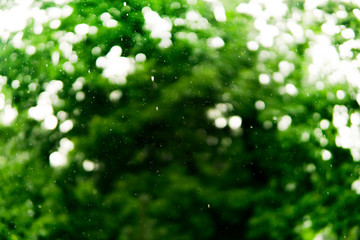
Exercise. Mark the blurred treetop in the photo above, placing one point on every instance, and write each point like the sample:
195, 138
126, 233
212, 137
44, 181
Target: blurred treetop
189, 119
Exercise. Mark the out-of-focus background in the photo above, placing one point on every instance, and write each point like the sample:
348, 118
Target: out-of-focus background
179, 120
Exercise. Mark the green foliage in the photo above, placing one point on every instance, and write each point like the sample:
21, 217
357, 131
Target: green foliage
195, 141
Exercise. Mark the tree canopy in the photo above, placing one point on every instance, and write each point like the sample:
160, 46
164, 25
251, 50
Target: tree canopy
184, 120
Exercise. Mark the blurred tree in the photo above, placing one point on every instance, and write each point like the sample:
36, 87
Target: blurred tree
180, 120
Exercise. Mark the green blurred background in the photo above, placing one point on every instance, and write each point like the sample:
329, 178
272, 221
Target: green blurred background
181, 120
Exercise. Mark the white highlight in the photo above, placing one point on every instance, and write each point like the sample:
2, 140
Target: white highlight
2, 101
88, 165
40, 112
259, 105
215, 42
219, 12
8, 115
140, 57
107, 20
235, 122
264, 79
348, 33
82, 29
66, 126
356, 186
115, 95
116, 68
324, 124
57, 159
220, 122
340, 94
15, 84
326, 155
253, 45
291, 89
340, 116
78, 84
284, 123
159, 27
50, 122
